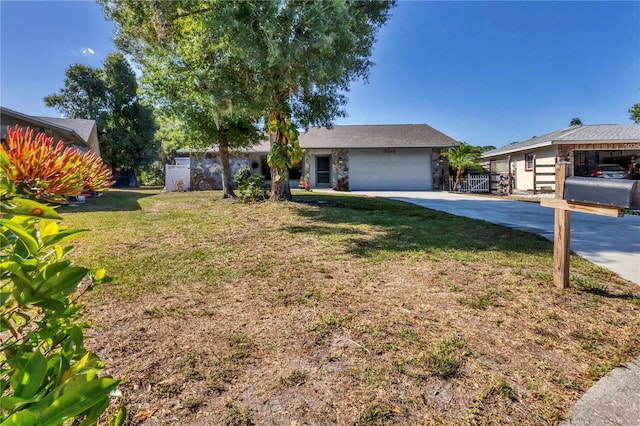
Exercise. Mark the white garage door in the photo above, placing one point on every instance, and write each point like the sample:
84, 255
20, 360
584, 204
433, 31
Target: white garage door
390, 169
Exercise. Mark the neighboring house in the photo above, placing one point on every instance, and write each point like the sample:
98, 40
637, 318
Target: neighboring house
375, 157
585, 146
201, 170
75, 132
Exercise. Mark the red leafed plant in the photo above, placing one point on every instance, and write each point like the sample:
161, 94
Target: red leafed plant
46, 170
47, 376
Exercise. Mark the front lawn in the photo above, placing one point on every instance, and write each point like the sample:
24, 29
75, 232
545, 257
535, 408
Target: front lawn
341, 310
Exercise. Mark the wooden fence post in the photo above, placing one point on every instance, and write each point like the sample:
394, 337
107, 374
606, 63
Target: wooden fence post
535, 180
562, 231
510, 176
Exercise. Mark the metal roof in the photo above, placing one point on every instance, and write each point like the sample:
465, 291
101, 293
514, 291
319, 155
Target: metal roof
590, 133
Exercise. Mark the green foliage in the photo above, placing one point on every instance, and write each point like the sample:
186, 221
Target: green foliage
250, 187
109, 95
83, 94
575, 121
174, 134
287, 152
291, 62
127, 130
634, 113
374, 416
152, 175
191, 74
462, 157
445, 360
47, 377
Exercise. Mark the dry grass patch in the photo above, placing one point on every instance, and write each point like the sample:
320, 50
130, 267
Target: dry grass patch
342, 310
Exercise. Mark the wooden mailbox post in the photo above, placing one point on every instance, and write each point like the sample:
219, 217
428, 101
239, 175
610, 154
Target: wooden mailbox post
562, 219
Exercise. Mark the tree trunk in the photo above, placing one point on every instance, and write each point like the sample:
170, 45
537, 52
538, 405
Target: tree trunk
458, 179
223, 147
280, 190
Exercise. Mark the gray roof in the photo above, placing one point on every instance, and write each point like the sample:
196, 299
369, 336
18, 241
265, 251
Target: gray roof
79, 125
261, 147
376, 136
590, 133
78, 128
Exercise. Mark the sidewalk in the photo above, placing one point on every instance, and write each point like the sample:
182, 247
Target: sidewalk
614, 400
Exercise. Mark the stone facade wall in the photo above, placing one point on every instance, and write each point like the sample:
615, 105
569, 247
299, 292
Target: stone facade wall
439, 170
340, 169
206, 171
306, 168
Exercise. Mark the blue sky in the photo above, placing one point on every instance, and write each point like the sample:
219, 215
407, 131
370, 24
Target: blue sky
488, 73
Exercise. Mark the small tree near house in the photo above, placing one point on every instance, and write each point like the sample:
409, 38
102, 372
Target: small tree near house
462, 157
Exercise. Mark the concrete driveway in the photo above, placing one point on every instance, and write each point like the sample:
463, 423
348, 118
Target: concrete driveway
613, 243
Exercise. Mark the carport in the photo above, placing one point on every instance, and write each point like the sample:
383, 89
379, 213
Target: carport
586, 160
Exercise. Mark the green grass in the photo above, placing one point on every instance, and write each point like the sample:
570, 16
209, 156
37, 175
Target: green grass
445, 360
232, 313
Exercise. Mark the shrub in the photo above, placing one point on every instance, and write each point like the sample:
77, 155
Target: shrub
250, 187
152, 175
46, 375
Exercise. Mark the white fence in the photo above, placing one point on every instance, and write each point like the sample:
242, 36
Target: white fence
177, 177
472, 183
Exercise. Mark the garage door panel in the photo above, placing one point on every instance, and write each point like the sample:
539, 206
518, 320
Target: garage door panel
399, 169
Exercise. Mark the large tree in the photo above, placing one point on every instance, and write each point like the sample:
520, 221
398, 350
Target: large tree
83, 94
128, 132
189, 72
304, 55
109, 96
290, 61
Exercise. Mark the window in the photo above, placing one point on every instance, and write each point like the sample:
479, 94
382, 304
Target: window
528, 160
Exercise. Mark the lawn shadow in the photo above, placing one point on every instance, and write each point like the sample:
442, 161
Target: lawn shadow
604, 292
407, 227
117, 199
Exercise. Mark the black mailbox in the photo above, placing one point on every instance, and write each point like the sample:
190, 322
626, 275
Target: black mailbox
622, 193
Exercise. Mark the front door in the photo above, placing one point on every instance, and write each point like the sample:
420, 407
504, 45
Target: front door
323, 177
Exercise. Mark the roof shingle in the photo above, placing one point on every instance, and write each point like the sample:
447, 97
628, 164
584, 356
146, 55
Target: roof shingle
79, 125
376, 136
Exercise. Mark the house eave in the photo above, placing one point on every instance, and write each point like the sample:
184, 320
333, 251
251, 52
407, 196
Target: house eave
517, 149
44, 123
376, 146
594, 142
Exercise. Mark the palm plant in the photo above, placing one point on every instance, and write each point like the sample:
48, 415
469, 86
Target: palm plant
461, 157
